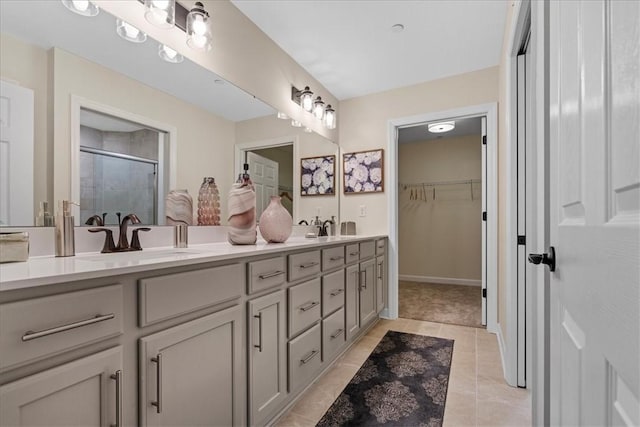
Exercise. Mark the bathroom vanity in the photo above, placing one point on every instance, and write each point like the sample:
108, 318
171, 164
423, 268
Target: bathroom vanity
210, 335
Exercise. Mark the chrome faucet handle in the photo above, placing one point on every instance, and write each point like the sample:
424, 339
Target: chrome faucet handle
108, 246
135, 240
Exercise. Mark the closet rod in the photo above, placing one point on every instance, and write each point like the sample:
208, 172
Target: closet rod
434, 184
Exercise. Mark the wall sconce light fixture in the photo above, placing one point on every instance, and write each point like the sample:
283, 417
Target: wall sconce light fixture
161, 13
199, 28
318, 108
304, 98
329, 120
81, 7
129, 32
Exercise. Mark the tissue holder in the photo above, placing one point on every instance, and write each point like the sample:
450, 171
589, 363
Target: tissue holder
14, 247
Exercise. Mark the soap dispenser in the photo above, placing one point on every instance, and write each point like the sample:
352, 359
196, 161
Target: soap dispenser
65, 237
44, 218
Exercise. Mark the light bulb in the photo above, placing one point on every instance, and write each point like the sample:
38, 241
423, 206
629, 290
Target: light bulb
160, 13
199, 26
81, 5
160, 4
329, 117
318, 108
198, 41
306, 99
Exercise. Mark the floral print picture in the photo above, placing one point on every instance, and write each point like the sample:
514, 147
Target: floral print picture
317, 176
363, 172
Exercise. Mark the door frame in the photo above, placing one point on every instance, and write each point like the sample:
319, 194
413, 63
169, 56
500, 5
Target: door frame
490, 111
242, 147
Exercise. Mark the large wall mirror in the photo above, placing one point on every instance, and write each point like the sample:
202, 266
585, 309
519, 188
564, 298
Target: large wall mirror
109, 124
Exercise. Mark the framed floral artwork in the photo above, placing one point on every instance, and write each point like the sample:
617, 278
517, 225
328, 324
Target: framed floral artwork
317, 176
363, 172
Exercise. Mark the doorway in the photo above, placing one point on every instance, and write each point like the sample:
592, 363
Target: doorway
441, 192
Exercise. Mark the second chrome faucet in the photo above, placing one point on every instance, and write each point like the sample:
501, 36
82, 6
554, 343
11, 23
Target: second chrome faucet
123, 242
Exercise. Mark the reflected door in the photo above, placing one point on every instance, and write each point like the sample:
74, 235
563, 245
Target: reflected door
264, 174
16, 155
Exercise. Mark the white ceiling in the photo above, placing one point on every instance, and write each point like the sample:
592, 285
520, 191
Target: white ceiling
349, 46
420, 133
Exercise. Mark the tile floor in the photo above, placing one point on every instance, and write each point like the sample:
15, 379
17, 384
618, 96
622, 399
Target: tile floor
477, 395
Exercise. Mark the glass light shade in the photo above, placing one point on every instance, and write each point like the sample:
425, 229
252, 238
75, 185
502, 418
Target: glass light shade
318, 108
329, 117
129, 32
169, 55
306, 99
161, 13
282, 115
296, 124
441, 127
81, 7
199, 28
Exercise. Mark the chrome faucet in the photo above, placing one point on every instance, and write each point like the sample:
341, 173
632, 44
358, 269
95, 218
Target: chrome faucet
123, 243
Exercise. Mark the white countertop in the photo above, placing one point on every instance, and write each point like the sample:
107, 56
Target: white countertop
48, 270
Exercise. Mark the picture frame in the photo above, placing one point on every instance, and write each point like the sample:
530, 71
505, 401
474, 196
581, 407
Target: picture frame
317, 176
363, 172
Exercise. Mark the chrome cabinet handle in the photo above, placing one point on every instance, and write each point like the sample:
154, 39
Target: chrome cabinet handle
363, 282
336, 292
308, 265
259, 346
380, 271
311, 355
309, 306
158, 403
336, 334
118, 378
270, 275
335, 258
31, 335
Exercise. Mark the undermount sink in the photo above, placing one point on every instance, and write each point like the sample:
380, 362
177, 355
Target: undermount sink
138, 255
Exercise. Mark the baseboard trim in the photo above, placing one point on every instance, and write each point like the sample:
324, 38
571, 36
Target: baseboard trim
441, 280
503, 350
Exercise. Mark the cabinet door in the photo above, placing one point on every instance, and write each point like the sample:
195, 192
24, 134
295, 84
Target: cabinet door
191, 374
80, 393
267, 356
367, 291
352, 301
381, 291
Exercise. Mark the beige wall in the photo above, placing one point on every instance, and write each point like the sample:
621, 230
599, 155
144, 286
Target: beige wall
309, 145
27, 66
440, 237
364, 125
205, 142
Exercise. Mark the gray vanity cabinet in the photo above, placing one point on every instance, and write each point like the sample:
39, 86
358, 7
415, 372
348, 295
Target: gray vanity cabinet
191, 374
84, 392
381, 283
367, 286
352, 300
266, 344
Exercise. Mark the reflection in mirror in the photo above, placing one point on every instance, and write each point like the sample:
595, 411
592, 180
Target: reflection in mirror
64, 58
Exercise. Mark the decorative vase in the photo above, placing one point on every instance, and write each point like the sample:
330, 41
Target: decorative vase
179, 208
242, 212
275, 222
208, 203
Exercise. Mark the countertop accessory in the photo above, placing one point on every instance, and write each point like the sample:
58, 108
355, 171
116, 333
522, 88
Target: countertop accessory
348, 228
65, 230
242, 211
179, 207
14, 247
275, 222
180, 236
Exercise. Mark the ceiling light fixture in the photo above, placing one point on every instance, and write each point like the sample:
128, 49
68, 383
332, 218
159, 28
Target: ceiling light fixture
161, 13
129, 32
329, 120
81, 7
199, 28
169, 55
318, 108
441, 127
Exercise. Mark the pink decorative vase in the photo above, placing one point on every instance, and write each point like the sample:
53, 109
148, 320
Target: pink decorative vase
275, 222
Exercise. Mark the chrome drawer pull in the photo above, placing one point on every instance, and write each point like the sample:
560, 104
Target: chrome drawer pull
259, 317
118, 378
311, 355
354, 253
270, 275
158, 403
336, 292
31, 335
363, 282
335, 258
309, 264
336, 334
380, 271
309, 306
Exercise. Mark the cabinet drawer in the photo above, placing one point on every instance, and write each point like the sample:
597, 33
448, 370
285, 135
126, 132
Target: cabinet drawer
45, 326
332, 292
304, 358
266, 274
332, 258
304, 265
333, 335
367, 249
304, 305
381, 246
352, 253
172, 295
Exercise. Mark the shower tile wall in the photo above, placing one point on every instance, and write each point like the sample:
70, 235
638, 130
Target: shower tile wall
115, 185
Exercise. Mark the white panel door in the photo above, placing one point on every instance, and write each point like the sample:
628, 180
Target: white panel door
264, 174
16, 155
595, 212
483, 223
